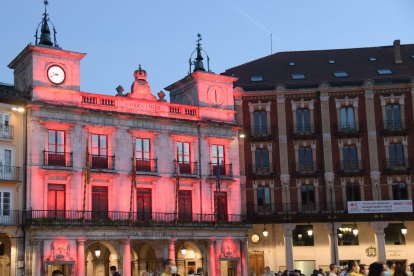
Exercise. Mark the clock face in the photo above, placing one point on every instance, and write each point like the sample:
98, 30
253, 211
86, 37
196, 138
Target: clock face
56, 74
255, 238
215, 96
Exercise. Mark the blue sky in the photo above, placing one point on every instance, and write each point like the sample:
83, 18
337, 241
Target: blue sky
160, 35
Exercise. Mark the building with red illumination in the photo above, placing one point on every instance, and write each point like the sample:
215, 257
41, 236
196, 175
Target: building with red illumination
128, 180
327, 156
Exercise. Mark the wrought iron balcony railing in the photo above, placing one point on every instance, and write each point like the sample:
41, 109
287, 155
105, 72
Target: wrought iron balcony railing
351, 167
349, 129
186, 168
116, 218
225, 170
57, 159
391, 127
10, 217
307, 168
303, 130
397, 165
6, 131
260, 132
101, 162
10, 173
262, 170
146, 166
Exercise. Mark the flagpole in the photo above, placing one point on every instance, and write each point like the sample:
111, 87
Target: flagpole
133, 182
86, 178
177, 187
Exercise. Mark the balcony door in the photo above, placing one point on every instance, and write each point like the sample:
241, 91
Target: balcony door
6, 161
99, 151
220, 199
56, 148
305, 159
142, 155
5, 206
217, 159
56, 200
5, 128
144, 204
347, 118
393, 116
303, 122
183, 157
350, 158
185, 206
99, 202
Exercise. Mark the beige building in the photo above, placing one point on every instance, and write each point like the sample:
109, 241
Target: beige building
12, 138
327, 156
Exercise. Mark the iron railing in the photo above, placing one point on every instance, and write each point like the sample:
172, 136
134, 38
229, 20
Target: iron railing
397, 165
10, 217
262, 170
101, 162
260, 131
350, 167
6, 131
303, 130
146, 166
10, 173
349, 129
307, 168
186, 168
117, 218
57, 159
225, 170
389, 127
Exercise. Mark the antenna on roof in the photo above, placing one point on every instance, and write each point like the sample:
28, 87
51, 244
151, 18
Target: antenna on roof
271, 44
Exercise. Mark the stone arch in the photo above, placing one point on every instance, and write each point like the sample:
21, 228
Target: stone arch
97, 266
5, 248
146, 255
193, 258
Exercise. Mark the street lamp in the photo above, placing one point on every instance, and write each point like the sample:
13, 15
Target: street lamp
404, 230
355, 231
183, 250
97, 251
310, 232
265, 232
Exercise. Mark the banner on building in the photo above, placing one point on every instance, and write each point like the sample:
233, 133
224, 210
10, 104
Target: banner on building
380, 206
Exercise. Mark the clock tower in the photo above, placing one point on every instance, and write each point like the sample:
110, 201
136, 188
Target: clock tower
202, 87
45, 64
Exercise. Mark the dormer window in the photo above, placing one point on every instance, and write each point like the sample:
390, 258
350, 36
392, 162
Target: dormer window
384, 71
341, 74
256, 78
372, 59
292, 63
331, 61
298, 76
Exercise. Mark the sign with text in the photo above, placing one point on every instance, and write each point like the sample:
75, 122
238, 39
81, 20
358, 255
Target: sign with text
380, 206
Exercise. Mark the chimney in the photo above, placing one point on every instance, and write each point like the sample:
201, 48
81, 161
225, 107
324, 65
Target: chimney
397, 52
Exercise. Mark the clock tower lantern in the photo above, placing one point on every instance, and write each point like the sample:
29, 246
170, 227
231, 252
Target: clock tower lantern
45, 64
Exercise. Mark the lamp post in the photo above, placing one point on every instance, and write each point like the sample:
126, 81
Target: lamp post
183, 250
265, 232
97, 251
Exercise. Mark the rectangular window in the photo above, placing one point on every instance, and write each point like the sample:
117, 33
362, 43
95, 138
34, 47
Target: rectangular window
347, 118
6, 168
56, 200
5, 203
56, 148
340, 74
353, 192
307, 196
144, 204
298, 76
5, 128
262, 161
384, 71
303, 121
256, 78
218, 159
142, 155
220, 199
396, 155
263, 197
185, 209
99, 151
305, 156
350, 158
99, 202
260, 123
393, 116
184, 157
399, 191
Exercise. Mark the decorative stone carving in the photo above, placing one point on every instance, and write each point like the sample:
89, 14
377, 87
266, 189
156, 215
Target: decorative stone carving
60, 251
326, 137
375, 176
282, 138
229, 248
285, 178
280, 99
140, 88
372, 134
329, 177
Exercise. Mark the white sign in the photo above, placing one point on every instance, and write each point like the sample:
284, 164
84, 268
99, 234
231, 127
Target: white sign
380, 206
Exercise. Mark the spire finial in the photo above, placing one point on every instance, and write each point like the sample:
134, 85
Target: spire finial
45, 38
199, 66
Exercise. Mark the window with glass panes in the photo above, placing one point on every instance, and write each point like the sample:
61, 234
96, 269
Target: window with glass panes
5, 130
353, 192
55, 148
260, 122
347, 117
56, 200
5, 203
393, 116
218, 158
142, 154
305, 159
6, 164
396, 154
303, 121
99, 145
263, 197
307, 195
262, 160
183, 157
399, 191
350, 157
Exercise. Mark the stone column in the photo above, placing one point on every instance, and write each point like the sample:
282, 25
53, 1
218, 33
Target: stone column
244, 257
171, 250
333, 236
36, 258
281, 123
126, 259
287, 233
81, 257
379, 227
212, 269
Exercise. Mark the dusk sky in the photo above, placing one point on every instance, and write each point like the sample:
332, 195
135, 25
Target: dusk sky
161, 35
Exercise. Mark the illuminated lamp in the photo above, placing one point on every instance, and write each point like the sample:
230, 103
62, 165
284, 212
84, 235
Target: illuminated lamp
355, 232
404, 230
340, 235
265, 232
310, 232
97, 251
242, 135
183, 250
18, 109
299, 236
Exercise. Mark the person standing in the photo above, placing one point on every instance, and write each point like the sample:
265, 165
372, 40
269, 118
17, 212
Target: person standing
169, 268
353, 269
113, 271
333, 270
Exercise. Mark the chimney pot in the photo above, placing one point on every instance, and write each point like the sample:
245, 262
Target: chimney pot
397, 52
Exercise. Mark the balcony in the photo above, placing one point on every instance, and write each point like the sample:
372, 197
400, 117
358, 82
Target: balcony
307, 169
10, 217
6, 132
353, 167
225, 171
395, 166
10, 173
117, 218
306, 131
57, 159
262, 170
101, 162
146, 166
394, 127
349, 129
186, 169
260, 132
